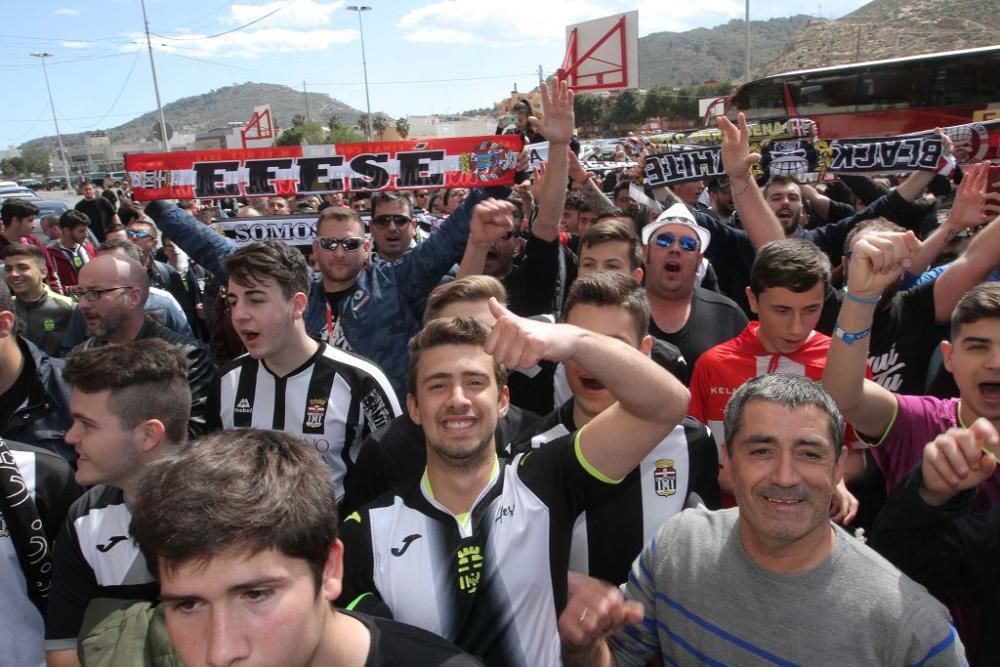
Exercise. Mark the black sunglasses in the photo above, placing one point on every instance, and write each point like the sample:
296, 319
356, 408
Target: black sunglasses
350, 244
384, 220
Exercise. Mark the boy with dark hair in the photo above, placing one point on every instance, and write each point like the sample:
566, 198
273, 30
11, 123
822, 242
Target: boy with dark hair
131, 404
611, 245
44, 314
73, 249
241, 529
788, 281
287, 380
681, 471
18, 217
490, 571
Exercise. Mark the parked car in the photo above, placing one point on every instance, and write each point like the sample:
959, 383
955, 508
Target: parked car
17, 192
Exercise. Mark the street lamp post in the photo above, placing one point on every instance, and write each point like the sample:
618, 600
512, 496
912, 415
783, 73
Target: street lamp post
156, 86
364, 63
62, 150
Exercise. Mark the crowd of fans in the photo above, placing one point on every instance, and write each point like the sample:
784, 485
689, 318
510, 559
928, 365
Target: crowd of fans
568, 422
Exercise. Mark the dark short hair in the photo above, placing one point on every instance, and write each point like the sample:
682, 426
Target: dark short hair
471, 288
621, 185
447, 195
518, 202
870, 225
129, 214
340, 213
25, 249
128, 248
236, 491
450, 331
782, 180
789, 390
17, 208
795, 264
276, 260
614, 229
147, 379
575, 201
982, 302
71, 218
614, 290
387, 197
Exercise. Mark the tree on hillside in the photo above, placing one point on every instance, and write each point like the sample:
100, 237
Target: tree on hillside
403, 127
380, 123
627, 108
36, 161
588, 108
304, 132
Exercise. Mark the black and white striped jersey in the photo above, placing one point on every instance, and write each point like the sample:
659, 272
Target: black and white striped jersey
492, 581
681, 471
333, 401
95, 557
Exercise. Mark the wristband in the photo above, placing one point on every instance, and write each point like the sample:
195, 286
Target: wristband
862, 299
851, 338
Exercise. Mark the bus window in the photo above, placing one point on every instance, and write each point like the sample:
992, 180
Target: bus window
761, 100
889, 87
967, 81
823, 94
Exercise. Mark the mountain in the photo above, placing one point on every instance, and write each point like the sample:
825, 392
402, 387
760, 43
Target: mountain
218, 107
890, 29
694, 56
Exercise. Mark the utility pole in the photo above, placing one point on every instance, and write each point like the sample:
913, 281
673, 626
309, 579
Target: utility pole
541, 78
62, 150
746, 45
305, 95
364, 63
156, 85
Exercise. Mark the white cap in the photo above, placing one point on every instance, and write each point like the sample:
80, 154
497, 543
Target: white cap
678, 214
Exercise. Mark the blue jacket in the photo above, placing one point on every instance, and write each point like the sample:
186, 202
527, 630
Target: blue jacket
385, 310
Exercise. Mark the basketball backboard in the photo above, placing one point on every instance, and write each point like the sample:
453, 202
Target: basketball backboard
602, 54
260, 131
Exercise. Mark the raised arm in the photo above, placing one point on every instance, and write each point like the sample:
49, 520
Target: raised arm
877, 261
975, 204
757, 217
491, 221
557, 126
650, 401
200, 242
587, 186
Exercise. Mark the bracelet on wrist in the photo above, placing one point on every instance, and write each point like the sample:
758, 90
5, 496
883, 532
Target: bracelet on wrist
862, 299
851, 337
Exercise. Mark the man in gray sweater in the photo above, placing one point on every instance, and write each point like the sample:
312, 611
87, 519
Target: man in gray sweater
772, 581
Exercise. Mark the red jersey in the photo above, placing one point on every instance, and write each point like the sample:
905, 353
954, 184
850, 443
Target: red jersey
721, 370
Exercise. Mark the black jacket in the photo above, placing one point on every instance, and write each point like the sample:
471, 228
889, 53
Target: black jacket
45, 417
948, 550
202, 371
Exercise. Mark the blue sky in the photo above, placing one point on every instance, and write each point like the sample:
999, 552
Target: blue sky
423, 57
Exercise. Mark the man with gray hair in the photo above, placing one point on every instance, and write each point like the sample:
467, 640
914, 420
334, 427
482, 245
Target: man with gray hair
772, 581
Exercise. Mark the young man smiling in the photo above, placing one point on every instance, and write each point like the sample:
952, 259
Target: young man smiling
478, 550
242, 532
288, 380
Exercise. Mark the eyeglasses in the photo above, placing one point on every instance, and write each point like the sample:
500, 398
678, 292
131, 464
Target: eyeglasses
384, 220
96, 293
421, 194
686, 243
137, 234
350, 244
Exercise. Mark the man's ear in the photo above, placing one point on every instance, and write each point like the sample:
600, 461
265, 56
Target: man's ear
7, 320
299, 302
151, 433
503, 405
646, 344
638, 274
947, 352
331, 583
752, 298
412, 409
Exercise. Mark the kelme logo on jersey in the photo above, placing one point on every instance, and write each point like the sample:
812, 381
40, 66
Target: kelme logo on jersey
665, 477
243, 407
315, 415
470, 566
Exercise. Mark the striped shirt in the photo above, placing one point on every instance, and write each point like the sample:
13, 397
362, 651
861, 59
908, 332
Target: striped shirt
333, 401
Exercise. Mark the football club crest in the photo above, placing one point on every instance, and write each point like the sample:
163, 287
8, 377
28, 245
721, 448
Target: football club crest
665, 477
315, 411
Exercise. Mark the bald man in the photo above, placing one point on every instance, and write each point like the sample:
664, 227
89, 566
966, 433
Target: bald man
113, 290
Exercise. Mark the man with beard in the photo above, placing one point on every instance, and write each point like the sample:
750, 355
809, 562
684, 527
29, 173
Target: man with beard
392, 226
682, 313
98, 210
113, 292
145, 236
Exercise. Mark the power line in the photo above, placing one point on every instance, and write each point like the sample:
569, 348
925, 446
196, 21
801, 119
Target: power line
117, 97
394, 83
227, 32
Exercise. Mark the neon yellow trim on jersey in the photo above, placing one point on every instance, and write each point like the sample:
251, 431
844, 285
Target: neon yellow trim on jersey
594, 472
353, 516
463, 518
355, 601
892, 422
958, 415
